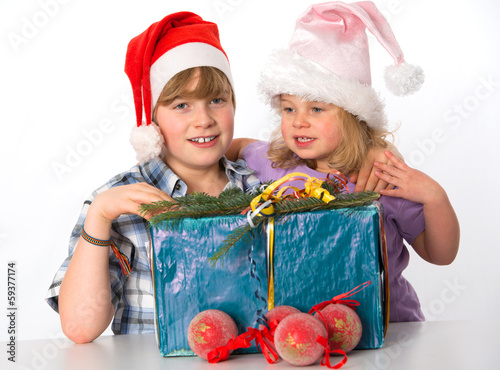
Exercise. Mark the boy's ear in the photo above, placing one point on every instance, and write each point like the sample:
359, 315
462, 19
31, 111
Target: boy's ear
147, 141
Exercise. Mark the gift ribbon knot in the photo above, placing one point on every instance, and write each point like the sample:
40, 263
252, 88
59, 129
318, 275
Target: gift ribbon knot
312, 189
341, 298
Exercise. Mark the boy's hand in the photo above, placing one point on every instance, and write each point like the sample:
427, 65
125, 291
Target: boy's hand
125, 199
409, 183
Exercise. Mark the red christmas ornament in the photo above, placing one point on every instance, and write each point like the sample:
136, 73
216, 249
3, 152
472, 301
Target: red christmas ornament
209, 330
344, 326
295, 339
278, 313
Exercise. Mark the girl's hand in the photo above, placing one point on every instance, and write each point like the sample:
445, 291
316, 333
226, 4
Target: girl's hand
125, 199
409, 183
365, 179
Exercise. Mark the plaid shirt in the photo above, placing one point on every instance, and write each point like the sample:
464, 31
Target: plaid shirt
133, 297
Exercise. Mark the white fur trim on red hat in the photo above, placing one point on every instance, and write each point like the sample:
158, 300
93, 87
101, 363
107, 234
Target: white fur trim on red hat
147, 141
289, 73
182, 57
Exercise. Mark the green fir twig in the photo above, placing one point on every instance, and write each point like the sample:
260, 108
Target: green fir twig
235, 201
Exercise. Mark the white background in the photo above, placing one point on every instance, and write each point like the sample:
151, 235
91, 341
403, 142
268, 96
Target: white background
65, 118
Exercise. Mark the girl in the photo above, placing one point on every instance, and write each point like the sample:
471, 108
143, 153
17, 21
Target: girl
331, 117
181, 78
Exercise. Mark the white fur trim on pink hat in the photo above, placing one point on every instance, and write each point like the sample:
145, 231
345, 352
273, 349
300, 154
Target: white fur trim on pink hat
289, 73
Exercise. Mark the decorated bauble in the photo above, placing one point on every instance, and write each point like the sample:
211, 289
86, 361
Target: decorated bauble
278, 313
344, 326
295, 339
209, 330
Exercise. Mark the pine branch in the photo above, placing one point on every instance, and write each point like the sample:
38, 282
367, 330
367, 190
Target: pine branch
234, 201
241, 233
231, 201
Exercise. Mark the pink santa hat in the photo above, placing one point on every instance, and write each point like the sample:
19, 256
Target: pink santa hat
178, 42
328, 60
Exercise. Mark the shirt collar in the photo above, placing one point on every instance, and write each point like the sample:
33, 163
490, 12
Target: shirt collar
157, 173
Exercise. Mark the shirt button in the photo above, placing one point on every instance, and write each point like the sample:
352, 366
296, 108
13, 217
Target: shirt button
178, 187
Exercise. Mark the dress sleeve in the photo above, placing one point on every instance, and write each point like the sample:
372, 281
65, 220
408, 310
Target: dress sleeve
410, 220
254, 155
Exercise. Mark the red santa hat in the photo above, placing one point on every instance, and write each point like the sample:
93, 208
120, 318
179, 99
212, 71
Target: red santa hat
178, 42
328, 60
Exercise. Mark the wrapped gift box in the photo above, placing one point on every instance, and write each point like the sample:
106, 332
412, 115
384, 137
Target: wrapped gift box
316, 256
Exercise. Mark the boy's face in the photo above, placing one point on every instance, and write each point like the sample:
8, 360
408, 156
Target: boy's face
197, 132
310, 129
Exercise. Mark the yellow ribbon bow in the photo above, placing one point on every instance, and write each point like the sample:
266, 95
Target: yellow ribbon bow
312, 189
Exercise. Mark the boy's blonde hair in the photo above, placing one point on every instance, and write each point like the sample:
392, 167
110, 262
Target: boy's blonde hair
212, 83
357, 139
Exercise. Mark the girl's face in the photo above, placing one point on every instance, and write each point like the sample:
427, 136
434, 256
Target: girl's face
310, 129
197, 132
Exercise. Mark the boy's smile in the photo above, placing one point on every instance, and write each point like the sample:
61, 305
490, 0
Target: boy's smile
203, 140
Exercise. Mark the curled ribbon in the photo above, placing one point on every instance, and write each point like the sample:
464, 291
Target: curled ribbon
342, 185
254, 275
312, 188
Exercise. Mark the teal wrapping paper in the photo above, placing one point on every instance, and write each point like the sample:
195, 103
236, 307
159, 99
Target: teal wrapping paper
317, 255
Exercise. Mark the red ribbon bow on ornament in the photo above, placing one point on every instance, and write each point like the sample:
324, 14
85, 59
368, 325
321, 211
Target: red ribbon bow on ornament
222, 353
341, 298
263, 339
325, 361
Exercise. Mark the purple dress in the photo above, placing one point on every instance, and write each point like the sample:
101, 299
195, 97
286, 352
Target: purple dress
403, 219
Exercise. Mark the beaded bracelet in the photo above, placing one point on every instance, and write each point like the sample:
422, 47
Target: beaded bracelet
122, 259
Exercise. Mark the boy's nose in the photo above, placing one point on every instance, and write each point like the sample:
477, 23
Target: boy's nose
204, 118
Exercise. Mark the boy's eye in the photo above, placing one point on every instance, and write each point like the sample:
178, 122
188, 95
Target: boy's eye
181, 106
216, 100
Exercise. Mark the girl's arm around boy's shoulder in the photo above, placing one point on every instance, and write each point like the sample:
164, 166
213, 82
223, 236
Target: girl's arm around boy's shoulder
236, 148
438, 244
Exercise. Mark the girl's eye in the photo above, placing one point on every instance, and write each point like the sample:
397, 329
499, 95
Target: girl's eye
287, 110
317, 110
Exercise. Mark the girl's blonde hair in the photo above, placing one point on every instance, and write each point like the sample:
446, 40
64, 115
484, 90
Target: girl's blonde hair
357, 139
212, 83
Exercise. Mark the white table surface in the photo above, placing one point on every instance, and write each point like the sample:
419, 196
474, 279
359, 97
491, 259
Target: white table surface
427, 345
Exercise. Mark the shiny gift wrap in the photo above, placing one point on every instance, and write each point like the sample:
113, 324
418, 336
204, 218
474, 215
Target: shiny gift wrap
316, 256
185, 283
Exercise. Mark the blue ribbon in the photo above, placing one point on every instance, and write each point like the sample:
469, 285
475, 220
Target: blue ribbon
261, 319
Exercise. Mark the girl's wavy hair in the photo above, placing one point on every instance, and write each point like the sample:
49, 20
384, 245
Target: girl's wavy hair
357, 139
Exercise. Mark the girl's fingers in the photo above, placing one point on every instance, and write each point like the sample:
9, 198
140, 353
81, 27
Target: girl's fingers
396, 162
386, 169
390, 192
387, 177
